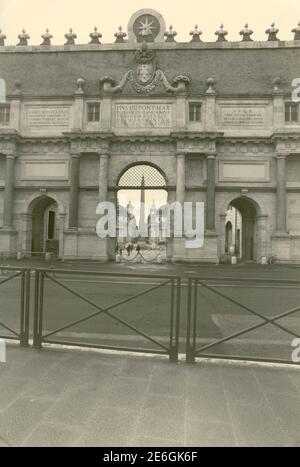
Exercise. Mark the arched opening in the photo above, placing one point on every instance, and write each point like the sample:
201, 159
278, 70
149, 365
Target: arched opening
241, 228
141, 193
45, 226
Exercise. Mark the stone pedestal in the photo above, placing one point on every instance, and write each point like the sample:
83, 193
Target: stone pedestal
85, 244
207, 254
8, 242
179, 251
70, 244
261, 241
281, 247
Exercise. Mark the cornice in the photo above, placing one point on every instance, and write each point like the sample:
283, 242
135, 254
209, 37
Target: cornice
83, 135
159, 46
284, 135
212, 135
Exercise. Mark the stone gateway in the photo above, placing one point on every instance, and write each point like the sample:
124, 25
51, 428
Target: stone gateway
217, 122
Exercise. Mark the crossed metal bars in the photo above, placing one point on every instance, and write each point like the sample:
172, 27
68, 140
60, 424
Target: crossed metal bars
174, 284
21, 335
175, 290
191, 343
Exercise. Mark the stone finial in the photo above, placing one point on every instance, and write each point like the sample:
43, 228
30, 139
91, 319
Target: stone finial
196, 34
296, 31
46, 38
170, 35
80, 85
70, 36
120, 36
210, 82
221, 33
272, 33
246, 33
2, 38
23, 38
277, 82
95, 36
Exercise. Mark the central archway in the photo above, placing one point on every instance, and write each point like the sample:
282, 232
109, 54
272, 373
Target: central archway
45, 226
142, 189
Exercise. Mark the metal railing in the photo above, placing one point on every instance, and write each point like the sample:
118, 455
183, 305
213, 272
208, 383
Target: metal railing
45, 276
197, 307
21, 334
206, 298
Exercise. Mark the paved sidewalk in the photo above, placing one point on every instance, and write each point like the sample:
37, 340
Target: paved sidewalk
79, 398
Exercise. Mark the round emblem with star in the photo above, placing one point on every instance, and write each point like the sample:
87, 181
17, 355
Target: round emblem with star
146, 28
146, 25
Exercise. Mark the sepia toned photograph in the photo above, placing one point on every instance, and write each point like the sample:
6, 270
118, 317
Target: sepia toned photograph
149, 227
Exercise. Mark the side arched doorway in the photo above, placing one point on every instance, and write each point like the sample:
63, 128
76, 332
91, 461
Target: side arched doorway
45, 226
142, 189
242, 214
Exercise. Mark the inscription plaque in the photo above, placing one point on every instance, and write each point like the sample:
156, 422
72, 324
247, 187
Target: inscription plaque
256, 171
47, 117
243, 116
45, 170
143, 115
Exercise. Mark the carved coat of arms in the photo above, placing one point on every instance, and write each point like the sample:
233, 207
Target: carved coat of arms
145, 65
145, 75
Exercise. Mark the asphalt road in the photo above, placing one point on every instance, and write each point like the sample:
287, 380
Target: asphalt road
150, 313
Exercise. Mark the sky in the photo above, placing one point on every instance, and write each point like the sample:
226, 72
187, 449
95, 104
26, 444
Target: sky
59, 15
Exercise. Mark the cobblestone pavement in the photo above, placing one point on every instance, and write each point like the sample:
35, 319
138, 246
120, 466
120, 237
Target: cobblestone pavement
79, 398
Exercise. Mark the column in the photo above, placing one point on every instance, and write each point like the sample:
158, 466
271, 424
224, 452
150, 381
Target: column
103, 177
211, 193
74, 191
281, 193
9, 191
180, 183
177, 244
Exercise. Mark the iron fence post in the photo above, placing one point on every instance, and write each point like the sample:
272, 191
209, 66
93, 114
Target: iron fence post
27, 305
175, 319
24, 317
189, 352
37, 342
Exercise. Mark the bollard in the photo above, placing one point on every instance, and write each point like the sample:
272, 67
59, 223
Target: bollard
232, 250
233, 260
159, 259
19, 255
264, 260
118, 259
48, 256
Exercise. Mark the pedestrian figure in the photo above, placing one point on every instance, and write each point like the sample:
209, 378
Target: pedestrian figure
128, 248
121, 251
138, 248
